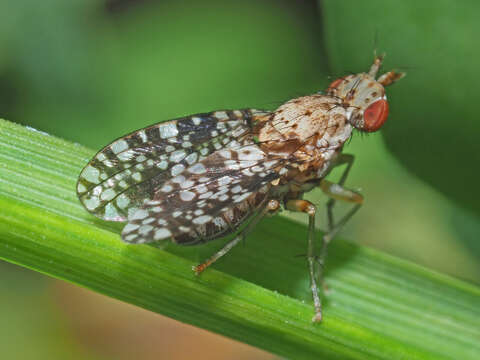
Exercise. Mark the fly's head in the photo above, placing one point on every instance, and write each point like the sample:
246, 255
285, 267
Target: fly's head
363, 96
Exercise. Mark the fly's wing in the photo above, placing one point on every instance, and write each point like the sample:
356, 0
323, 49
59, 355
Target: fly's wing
207, 200
125, 173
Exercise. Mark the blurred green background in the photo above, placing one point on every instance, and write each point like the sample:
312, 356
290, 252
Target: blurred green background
90, 71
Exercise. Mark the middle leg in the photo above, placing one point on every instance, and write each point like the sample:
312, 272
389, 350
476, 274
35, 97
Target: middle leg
271, 207
310, 209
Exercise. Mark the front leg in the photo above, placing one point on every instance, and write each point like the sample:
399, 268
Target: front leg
336, 191
341, 160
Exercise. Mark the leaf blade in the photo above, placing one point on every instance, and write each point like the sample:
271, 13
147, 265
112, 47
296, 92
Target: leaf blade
379, 306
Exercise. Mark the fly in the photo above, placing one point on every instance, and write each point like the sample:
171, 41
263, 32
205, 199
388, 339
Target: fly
205, 176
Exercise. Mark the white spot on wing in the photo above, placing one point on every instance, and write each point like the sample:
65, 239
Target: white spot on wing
131, 237
220, 222
166, 188
187, 184
201, 189
206, 195
177, 169
250, 153
168, 130
192, 158
220, 115
130, 227
92, 203
145, 229
224, 180
91, 174
142, 135
108, 163
81, 188
197, 168
126, 155
242, 197
137, 176
162, 233
177, 156
108, 194
247, 172
227, 154
269, 164
202, 219
162, 165
111, 212
119, 146
283, 171
236, 189
178, 179
139, 214
187, 195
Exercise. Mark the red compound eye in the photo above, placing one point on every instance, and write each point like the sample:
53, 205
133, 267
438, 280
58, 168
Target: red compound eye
375, 115
335, 84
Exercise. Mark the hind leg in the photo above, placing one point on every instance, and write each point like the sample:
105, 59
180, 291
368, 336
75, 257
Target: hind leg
271, 207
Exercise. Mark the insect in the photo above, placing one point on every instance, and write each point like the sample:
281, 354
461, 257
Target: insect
204, 176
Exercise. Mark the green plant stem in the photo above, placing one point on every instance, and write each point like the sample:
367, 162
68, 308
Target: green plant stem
378, 307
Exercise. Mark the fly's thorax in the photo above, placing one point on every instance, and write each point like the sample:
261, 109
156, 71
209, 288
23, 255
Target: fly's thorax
306, 125
308, 133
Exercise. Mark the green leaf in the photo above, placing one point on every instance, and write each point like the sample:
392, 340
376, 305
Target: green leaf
377, 306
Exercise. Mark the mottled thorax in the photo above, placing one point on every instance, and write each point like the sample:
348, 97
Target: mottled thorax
308, 131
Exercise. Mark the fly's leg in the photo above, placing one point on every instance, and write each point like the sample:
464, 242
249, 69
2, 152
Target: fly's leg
270, 207
308, 208
340, 193
336, 191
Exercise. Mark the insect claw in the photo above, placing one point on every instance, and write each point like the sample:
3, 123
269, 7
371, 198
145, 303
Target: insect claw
198, 269
317, 318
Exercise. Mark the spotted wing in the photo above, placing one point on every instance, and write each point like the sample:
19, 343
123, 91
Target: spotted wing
125, 173
207, 200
